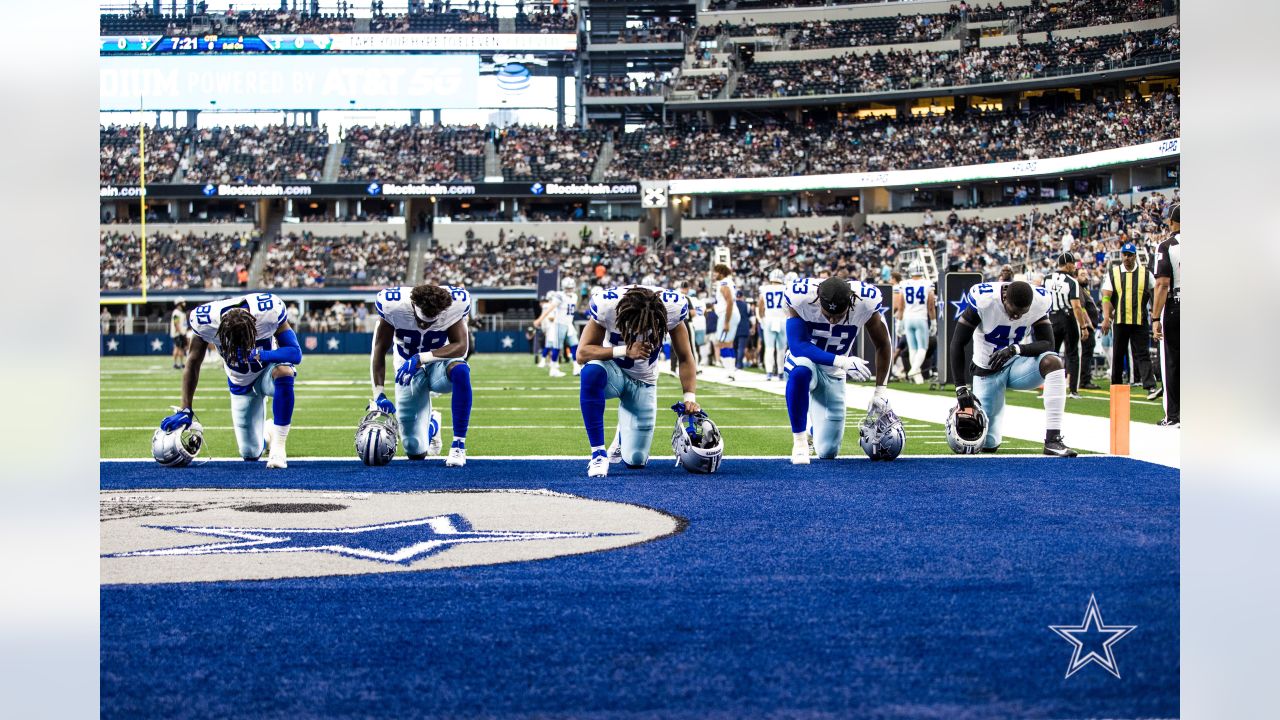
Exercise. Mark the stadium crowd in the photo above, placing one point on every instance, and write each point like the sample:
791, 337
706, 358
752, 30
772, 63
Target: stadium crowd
904, 70
118, 157
529, 152
307, 261
214, 260
413, 153
257, 155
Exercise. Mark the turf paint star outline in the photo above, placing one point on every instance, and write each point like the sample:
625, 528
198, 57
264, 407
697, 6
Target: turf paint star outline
1092, 624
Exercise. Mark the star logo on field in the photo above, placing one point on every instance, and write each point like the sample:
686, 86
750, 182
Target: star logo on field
332, 343
508, 342
1098, 637
112, 345
156, 345
399, 542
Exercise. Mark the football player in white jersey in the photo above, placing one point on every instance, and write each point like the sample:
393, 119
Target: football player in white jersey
771, 307
552, 308
178, 329
997, 319
244, 330
915, 306
620, 346
823, 322
567, 330
428, 326
725, 294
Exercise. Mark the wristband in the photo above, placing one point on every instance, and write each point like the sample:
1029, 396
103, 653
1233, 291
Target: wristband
690, 397
1017, 349
426, 357
378, 391
878, 394
619, 351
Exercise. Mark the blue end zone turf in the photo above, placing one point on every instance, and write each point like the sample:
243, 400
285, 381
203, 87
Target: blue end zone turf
921, 587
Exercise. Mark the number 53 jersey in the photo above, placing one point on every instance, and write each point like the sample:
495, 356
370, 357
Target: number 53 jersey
395, 307
269, 313
995, 328
837, 338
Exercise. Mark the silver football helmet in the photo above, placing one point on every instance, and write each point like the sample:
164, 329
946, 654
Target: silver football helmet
776, 275
881, 435
377, 437
967, 435
697, 443
179, 447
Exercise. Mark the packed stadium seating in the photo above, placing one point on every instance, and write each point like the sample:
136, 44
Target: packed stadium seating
118, 157
841, 33
454, 21
258, 154
413, 153
173, 261
546, 153
307, 260
894, 70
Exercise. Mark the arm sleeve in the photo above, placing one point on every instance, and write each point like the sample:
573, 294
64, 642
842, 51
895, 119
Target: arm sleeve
288, 352
963, 334
1042, 331
800, 343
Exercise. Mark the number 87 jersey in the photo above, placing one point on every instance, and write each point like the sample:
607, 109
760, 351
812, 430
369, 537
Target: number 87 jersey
840, 337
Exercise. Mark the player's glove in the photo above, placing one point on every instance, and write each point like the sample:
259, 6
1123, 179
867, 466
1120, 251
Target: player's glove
178, 420
879, 403
410, 368
1001, 357
384, 404
855, 366
933, 327
965, 398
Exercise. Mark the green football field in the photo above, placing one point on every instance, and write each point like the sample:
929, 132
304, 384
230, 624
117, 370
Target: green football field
518, 410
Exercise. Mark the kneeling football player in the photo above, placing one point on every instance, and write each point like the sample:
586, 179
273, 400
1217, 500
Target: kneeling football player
823, 322
997, 320
619, 351
428, 325
242, 330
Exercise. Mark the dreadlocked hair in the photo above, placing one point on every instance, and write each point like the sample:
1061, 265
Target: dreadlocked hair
642, 316
430, 300
237, 334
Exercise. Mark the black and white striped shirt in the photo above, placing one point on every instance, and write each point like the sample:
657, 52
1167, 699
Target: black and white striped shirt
1062, 289
1169, 262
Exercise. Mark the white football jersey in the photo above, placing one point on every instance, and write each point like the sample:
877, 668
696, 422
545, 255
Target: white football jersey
775, 306
565, 305
995, 329
604, 310
395, 307
915, 297
269, 314
721, 307
698, 313
836, 338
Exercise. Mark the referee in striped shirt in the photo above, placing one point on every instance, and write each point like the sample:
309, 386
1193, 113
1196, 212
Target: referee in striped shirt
1066, 313
1166, 307
1126, 298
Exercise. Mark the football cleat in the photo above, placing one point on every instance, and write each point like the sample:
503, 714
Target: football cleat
615, 449
800, 452
1155, 393
1054, 446
599, 465
457, 454
277, 457
577, 369
917, 378
556, 372
434, 441
1169, 423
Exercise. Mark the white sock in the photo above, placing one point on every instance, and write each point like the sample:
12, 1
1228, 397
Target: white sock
281, 434
801, 437
597, 448
1055, 400
460, 440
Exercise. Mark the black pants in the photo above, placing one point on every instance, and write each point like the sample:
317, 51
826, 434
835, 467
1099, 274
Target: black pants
1066, 331
1170, 358
1133, 338
1087, 347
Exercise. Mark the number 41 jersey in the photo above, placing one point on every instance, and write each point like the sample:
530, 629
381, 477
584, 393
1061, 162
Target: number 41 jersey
269, 313
836, 338
604, 310
995, 329
395, 307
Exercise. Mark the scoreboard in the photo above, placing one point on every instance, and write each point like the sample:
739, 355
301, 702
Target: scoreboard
337, 43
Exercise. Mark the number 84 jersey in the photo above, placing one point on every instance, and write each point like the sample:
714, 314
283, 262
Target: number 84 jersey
838, 338
995, 329
395, 307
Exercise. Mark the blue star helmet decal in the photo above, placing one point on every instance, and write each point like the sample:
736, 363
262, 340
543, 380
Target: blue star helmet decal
399, 542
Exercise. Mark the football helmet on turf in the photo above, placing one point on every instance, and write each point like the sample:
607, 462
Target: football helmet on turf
377, 437
967, 431
177, 448
881, 435
696, 441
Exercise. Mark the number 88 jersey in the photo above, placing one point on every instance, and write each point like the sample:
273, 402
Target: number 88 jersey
995, 329
841, 337
395, 307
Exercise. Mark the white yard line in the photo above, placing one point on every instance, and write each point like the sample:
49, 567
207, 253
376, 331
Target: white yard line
731, 458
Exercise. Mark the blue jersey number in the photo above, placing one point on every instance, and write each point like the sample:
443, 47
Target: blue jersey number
1000, 336
412, 342
775, 300
264, 302
625, 362
916, 295
393, 294
835, 339
204, 314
